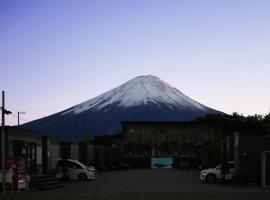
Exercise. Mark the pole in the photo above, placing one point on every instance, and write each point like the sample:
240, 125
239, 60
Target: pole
19, 113
18, 118
3, 142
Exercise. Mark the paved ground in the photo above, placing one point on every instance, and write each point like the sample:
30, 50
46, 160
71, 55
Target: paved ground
146, 185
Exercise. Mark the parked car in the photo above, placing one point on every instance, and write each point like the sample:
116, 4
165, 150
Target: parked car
213, 174
75, 170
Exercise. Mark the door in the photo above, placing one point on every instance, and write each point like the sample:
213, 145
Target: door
266, 169
31, 157
74, 170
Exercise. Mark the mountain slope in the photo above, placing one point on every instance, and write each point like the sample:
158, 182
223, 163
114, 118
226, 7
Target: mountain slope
144, 98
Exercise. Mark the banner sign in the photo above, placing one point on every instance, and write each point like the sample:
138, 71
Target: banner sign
161, 162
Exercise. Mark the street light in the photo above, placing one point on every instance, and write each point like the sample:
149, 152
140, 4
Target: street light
4, 112
20, 113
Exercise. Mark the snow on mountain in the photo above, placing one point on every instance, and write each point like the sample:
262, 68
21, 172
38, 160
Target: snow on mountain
144, 98
141, 90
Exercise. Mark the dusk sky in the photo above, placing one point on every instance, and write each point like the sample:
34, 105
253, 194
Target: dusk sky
56, 54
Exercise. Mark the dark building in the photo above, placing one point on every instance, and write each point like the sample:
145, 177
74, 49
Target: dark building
41, 152
107, 151
200, 142
82, 151
104, 152
249, 149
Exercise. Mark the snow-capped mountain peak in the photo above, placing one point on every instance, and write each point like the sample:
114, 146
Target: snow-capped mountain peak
141, 90
144, 98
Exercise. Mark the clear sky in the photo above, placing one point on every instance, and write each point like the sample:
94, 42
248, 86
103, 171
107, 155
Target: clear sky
55, 54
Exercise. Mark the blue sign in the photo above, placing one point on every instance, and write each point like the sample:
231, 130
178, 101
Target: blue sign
161, 162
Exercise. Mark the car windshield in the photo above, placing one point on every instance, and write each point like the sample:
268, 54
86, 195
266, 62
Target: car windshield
83, 165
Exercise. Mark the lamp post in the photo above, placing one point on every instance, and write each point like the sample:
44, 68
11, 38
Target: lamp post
4, 112
20, 113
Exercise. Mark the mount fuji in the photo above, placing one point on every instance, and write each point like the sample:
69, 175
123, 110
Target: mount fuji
144, 98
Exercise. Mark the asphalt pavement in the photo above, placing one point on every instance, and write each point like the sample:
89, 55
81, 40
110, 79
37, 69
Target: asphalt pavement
145, 184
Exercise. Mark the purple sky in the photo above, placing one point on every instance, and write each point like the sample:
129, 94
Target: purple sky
55, 54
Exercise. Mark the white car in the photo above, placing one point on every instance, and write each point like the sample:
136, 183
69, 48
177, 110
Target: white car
75, 170
213, 174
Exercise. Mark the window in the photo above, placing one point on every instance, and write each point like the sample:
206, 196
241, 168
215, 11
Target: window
74, 165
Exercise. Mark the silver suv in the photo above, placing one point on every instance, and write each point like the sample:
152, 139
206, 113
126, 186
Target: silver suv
75, 170
212, 174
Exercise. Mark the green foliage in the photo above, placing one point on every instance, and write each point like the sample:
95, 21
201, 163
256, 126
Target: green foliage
234, 122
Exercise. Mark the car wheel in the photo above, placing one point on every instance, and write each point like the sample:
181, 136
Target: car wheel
210, 178
82, 177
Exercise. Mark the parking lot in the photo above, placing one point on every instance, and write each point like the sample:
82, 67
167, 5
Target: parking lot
145, 184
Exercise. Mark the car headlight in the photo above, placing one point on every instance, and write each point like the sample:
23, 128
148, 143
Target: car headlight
91, 174
91, 169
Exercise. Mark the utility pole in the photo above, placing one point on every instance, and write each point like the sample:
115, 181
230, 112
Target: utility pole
3, 143
19, 117
3, 167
